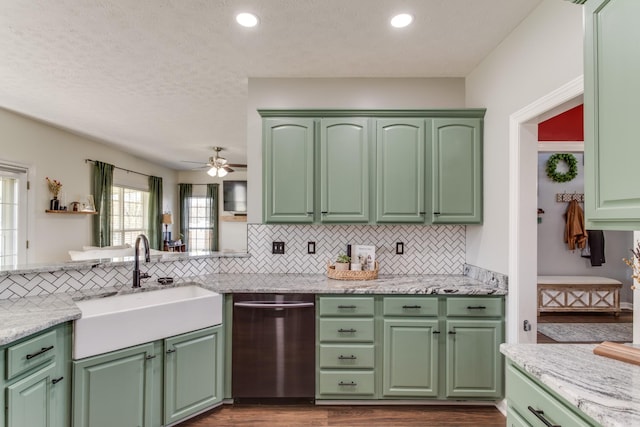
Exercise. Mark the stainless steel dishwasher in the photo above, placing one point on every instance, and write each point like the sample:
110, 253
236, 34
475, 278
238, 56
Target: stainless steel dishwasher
273, 353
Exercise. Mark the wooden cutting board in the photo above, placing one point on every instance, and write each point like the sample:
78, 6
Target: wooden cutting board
617, 351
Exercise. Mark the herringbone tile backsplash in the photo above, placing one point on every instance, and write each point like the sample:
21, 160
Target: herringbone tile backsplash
427, 249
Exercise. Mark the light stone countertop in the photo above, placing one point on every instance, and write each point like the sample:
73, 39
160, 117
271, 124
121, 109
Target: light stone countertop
605, 389
25, 316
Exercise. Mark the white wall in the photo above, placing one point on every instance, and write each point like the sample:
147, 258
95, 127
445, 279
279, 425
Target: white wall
541, 54
55, 153
554, 257
364, 93
232, 235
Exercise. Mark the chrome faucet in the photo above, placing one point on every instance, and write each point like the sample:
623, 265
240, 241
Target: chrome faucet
136, 263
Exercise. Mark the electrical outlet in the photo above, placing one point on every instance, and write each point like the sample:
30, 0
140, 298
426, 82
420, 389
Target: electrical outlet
277, 248
399, 248
311, 247
527, 326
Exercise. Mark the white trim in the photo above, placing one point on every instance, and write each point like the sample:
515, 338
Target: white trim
626, 306
561, 146
523, 254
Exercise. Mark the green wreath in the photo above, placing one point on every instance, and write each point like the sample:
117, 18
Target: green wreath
552, 163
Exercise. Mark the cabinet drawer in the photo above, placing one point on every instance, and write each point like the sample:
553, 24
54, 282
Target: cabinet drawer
525, 396
347, 356
514, 419
475, 307
31, 353
346, 382
341, 306
346, 330
410, 306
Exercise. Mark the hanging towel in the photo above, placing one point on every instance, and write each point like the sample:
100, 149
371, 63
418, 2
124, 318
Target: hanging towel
575, 234
596, 248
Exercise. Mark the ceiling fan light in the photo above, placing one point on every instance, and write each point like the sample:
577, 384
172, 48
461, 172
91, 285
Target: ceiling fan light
213, 171
222, 172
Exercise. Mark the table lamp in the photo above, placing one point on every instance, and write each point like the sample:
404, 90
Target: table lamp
166, 220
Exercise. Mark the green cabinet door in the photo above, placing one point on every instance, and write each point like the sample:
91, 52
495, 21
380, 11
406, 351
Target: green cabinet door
400, 170
288, 170
611, 105
344, 170
456, 178
410, 358
30, 401
474, 365
114, 389
193, 376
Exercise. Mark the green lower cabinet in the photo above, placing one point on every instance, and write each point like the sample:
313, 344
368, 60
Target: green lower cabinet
150, 385
474, 364
410, 359
193, 376
114, 389
35, 388
30, 401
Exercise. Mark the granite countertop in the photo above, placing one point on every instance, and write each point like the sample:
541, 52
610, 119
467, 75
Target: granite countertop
25, 316
605, 389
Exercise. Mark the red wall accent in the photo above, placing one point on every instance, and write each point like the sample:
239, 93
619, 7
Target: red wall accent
567, 126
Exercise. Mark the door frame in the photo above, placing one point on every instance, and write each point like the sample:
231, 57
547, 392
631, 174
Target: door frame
523, 186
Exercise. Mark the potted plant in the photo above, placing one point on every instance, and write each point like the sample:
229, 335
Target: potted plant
342, 262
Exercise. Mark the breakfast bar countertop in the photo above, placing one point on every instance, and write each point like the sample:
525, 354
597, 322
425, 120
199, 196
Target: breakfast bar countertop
22, 317
605, 389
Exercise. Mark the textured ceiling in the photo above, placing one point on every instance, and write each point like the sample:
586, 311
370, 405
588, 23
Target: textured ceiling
167, 80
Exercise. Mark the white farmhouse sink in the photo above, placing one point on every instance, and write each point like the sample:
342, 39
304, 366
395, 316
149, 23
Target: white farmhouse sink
120, 321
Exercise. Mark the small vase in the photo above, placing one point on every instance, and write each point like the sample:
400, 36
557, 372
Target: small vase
54, 204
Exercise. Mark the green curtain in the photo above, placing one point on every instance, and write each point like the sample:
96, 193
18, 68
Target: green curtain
155, 212
185, 195
101, 187
212, 205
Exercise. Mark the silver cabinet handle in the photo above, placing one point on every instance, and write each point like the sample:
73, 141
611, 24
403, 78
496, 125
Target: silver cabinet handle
253, 304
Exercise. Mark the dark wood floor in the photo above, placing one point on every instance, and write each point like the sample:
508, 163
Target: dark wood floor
349, 416
626, 316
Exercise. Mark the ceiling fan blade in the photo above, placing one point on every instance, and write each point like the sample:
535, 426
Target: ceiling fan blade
189, 161
227, 168
237, 165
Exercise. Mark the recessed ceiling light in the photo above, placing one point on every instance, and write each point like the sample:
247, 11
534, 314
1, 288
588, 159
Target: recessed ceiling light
247, 19
402, 20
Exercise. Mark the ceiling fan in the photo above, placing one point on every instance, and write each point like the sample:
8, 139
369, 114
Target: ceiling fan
219, 166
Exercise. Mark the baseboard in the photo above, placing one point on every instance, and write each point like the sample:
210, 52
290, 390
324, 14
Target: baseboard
501, 406
425, 402
626, 306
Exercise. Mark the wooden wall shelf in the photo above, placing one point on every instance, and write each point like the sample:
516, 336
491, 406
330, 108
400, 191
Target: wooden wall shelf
233, 218
71, 212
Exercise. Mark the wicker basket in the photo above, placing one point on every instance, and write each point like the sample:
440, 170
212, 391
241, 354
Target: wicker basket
352, 274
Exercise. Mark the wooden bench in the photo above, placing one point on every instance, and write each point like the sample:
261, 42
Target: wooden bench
578, 293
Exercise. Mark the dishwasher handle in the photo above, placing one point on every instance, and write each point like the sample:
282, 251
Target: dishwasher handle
267, 305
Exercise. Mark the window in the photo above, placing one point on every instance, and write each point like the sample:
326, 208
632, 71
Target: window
128, 215
200, 226
13, 217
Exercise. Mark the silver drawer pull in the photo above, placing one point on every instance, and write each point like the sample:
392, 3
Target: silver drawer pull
38, 353
350, 383
350, 331
540, 415
352, 357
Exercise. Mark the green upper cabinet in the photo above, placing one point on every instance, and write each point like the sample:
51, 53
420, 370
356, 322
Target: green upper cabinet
344, 170
288, 170
456, 176
611, 106
372, 166
400, 170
